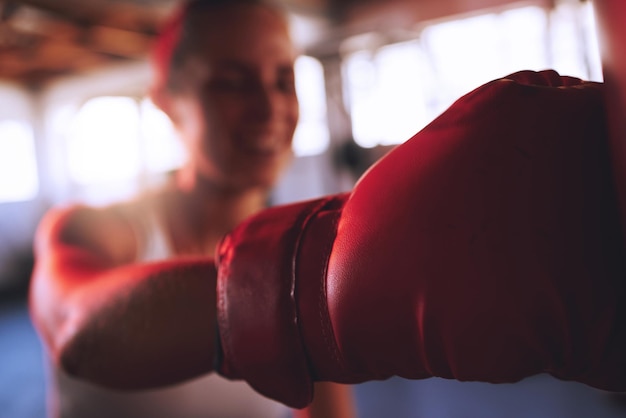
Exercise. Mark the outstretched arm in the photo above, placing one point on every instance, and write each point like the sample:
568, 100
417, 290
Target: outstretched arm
126, 325
113, 322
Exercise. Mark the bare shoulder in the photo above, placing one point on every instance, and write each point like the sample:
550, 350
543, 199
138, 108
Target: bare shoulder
104, 231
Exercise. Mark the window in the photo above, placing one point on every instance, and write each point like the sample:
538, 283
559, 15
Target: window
312, 135
102, 142
116, 138
161, 149
469, 52
18, 163
383, 88
394, 90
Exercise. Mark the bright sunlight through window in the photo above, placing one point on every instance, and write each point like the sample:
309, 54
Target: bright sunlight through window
312, 136
102, 143
394, 91
384, 87
18, 163
162, 150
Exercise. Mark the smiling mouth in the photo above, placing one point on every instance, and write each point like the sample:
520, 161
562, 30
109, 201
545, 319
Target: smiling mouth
262, 144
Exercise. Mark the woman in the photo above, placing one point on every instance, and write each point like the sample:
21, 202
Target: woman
224, 75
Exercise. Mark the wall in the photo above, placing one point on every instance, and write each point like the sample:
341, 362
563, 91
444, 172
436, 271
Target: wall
17, 219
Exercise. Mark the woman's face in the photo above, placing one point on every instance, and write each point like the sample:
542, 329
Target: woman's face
238, 109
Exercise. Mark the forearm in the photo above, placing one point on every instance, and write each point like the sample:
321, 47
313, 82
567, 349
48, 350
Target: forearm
132, 327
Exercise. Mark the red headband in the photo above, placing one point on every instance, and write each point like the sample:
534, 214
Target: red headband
165, 43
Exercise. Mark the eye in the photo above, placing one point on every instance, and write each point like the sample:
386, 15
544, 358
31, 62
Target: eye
230, 83
286, 82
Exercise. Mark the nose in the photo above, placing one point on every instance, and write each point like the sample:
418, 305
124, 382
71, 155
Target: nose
264, 102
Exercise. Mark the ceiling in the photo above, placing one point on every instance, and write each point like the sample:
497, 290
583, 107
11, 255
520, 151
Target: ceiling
41, 40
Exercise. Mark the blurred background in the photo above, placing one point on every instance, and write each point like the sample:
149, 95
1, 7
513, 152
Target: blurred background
73, 79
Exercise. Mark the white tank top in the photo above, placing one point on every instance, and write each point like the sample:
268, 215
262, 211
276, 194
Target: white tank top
211, 396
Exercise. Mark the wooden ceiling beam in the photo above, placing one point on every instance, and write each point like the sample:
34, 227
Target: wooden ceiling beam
129, 15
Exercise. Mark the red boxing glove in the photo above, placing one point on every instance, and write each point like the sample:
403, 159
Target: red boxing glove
487, 248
